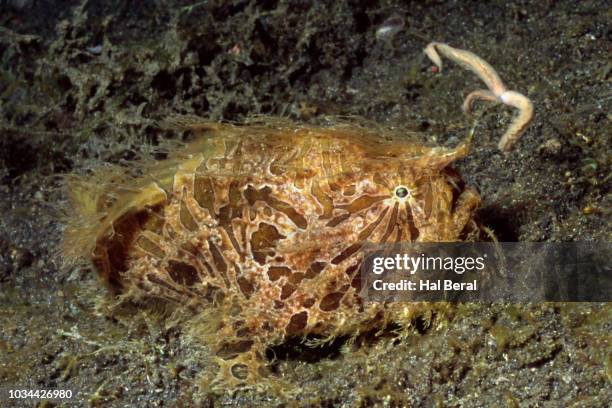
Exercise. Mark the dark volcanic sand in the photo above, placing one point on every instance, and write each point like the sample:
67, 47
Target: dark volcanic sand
84, 83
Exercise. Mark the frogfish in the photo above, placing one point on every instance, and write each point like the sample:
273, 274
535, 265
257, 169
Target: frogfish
262, 228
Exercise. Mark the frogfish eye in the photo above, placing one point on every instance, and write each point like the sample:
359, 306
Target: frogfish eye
401, 192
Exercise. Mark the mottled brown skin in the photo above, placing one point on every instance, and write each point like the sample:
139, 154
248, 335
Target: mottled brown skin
263, 226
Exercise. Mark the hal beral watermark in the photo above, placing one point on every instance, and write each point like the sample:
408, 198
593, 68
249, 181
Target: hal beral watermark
506, 272
411, 264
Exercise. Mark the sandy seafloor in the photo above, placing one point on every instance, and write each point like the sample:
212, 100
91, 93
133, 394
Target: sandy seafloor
83, 83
